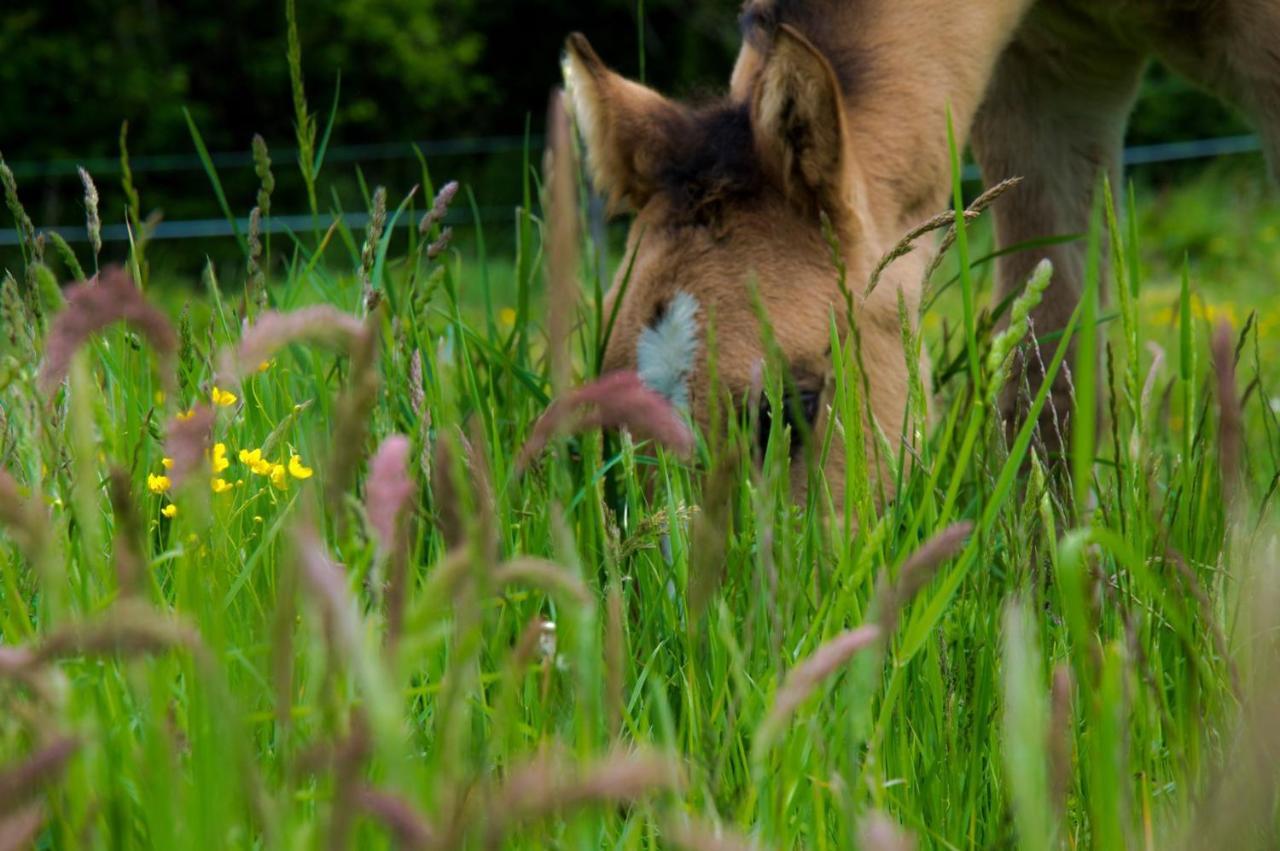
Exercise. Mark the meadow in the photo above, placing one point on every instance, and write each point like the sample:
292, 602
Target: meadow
335, 555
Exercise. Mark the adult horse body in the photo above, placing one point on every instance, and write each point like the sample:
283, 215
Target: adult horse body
838, 107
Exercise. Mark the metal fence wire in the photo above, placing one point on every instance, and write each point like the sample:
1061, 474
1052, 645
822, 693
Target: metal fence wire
213, 228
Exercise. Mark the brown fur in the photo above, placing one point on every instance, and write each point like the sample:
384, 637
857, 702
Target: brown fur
839, 107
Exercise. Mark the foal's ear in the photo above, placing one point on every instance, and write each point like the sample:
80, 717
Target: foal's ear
625, 125
797, 116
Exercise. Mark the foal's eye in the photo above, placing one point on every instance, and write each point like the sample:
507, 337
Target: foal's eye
799, 412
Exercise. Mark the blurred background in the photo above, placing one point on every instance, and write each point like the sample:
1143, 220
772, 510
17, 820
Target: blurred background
466, 81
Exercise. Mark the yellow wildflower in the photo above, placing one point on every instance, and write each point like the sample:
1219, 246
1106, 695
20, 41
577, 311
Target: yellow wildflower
167, 463
220, 461
170, 511
278, 477
223, 398
264, 366
158, 484
183, 416
297, 470
254, 460
220, 486
507, 317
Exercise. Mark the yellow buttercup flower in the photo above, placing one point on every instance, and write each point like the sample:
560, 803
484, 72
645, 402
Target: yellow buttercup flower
158, 484
297, 470
220, 461
183, 416
252, 458
264, 366
170, 511
223, 398
278, 477
167, 463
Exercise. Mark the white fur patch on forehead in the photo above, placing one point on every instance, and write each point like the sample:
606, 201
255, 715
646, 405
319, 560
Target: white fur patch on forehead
666, 352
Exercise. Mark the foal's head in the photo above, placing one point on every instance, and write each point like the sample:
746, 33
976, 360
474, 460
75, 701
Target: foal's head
727, 196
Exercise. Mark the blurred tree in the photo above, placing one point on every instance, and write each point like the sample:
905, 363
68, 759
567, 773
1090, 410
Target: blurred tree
410, 68
70, 72
73, 71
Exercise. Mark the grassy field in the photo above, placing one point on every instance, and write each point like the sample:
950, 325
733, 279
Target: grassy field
295, 566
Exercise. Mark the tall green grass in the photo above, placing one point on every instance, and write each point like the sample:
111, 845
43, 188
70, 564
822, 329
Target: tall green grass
609, 645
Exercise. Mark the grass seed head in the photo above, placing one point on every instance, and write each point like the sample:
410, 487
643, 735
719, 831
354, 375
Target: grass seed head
388, 494
262, 168
127, 553
1153, 374
187, 442
369, 252
256, 281
92, 221
353, 412
128, 629
66, 255
19, 829
708, 536
441, 245
551, 783
918, 571
805, 678
26, 520
16, 321
21, 782
410, 827
92, 307
439, 208
1060, 737
319, 324
389, 490
615, 659
619, 400
26, 230
16, 661
1230, 418
326, 585
698, 835
880, 832
444, 491
546, 576
1019, 315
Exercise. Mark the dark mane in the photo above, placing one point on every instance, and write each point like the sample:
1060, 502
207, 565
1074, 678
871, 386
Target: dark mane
710, 163
818, 21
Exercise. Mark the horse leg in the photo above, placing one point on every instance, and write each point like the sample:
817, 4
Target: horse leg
1054, 115
1236, 56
